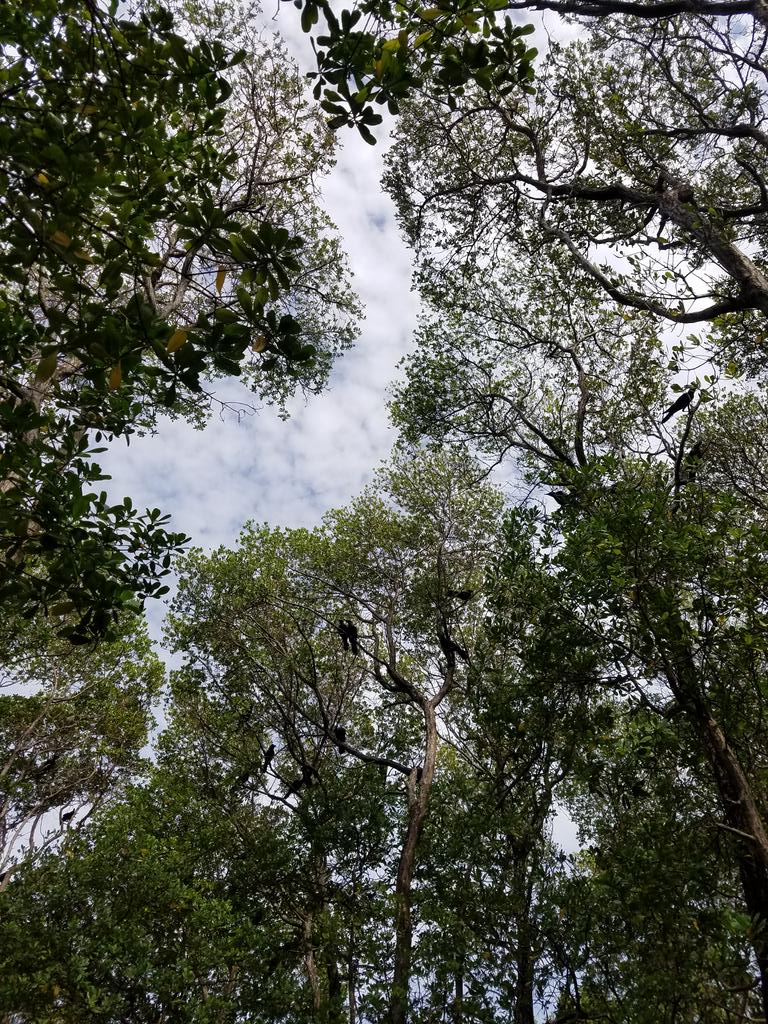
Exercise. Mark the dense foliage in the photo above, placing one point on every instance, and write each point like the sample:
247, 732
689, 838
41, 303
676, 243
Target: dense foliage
158, 229
73, 727
378, 732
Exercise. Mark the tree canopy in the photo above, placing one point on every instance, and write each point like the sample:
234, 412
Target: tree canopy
350, 813
159, 229
549, 608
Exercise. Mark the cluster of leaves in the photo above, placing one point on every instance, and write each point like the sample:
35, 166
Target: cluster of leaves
73, 724
375, 723
68, 550
111, 130
186, 890
256, 871
379, 54
132, 269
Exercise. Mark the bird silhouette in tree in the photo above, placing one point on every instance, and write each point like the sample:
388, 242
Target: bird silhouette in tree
680, 403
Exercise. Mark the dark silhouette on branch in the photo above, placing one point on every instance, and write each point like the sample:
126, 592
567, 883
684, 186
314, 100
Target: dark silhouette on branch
347, 630
450, 647
563, 498
307, 778
691, 463
678, 405
46, 767
340, 733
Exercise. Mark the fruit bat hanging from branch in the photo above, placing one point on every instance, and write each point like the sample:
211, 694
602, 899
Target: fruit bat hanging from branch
340, 734
450, 647
347, 630
307, 778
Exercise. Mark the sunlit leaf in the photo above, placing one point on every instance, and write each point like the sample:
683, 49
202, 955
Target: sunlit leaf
47, 367
176, 340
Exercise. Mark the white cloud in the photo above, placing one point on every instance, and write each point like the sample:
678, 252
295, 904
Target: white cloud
291, 472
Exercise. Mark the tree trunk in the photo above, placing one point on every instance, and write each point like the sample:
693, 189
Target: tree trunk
418, 796
525, 960
523, 1010
352, 978
335, 991
322, 961
754, 882
457, 1009
743, 815
752, 281
744, 818
311, 965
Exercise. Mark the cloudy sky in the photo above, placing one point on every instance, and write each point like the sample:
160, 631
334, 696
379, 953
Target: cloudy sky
290, 472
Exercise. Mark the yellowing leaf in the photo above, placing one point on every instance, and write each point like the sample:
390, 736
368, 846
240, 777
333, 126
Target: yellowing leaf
259, 344
430, 13
47, 367
81, 254
61, 238
220, 278
391, 44
42, 179
378, 68
176, 340
423, 37
115, 377
89, 109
